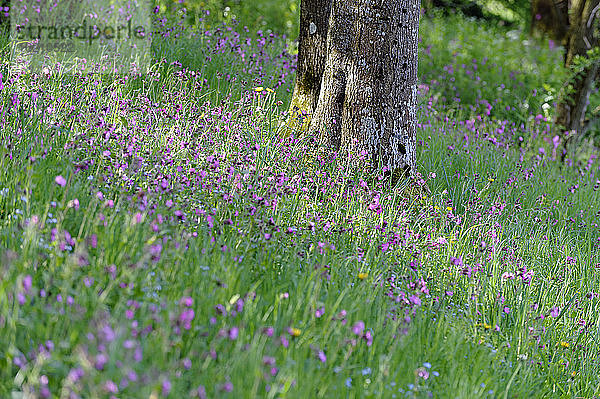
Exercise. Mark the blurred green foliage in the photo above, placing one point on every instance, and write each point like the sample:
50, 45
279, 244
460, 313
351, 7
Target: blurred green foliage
518, 11
280, 16
513, 12
476, 67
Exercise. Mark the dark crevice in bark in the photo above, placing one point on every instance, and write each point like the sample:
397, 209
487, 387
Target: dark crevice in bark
550, 17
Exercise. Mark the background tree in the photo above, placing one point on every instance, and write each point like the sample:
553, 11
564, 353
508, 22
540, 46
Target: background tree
367, 93
575, 25
582, 37
551, 18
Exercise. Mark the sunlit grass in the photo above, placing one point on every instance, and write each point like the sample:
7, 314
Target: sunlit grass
159, 237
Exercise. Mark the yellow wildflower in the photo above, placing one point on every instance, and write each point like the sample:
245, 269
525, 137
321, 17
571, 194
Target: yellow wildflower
294, 332
363, 276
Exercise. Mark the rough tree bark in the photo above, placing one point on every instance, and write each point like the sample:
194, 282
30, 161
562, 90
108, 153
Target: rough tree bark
582, 36
367, 97
312, 53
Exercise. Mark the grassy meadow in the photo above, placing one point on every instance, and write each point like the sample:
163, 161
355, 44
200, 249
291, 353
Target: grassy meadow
160, 236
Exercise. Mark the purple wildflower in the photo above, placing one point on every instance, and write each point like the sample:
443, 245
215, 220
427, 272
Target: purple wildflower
166, 387
321, 356
358, 327
227, 387
61, 181
319, 312
111, 387
27, 282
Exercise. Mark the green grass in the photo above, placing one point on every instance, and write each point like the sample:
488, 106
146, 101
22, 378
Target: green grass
282, 254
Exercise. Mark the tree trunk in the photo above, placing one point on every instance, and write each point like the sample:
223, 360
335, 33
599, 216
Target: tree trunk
312, 52
368, 92
582, 37
550, 17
